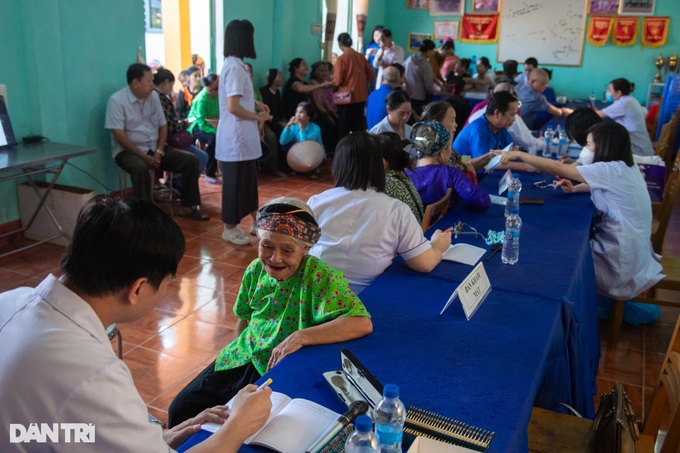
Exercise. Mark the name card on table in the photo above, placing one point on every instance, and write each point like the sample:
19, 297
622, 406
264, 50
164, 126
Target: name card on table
503, 183
472, 291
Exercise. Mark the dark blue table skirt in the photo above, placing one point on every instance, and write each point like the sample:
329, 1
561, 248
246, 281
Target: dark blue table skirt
486, 371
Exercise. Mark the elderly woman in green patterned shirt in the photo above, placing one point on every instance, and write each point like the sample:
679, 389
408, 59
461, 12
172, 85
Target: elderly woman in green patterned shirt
287, 300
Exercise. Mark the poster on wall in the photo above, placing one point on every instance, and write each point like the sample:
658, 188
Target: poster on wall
599, 29
480, 29
446, 7
636, 7
418, 4
446, 29
416, 39
604, 7
486, 6
655, 31
625, 31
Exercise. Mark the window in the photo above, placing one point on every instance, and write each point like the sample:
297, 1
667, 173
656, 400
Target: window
154, 16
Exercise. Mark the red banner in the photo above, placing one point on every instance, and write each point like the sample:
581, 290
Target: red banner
480, 28
625, 31
599, 29
655, 31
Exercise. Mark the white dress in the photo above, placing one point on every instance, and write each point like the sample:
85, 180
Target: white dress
237, 139
362, 231
628, 112
625, 264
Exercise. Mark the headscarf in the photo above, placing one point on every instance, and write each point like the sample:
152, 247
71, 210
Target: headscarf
429, 138
291, 217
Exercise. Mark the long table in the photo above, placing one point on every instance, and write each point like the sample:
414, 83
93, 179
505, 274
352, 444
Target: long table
533, 341
555, 262
28, 160
485, 372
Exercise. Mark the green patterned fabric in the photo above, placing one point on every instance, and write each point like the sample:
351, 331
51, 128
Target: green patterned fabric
398, 185
315, 295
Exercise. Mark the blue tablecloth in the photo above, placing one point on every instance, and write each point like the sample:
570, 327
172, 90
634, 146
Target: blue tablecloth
555, 262
534, 340
486, 371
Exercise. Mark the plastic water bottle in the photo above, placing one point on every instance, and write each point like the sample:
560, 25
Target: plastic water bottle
548, 136
514, 187
363, 439
592, 98
563, 144
389, 415
513, 224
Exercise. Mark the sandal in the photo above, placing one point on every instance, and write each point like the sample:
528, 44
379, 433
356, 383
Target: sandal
194, 214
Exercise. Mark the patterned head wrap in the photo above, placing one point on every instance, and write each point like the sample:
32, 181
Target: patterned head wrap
429, 138
285, 218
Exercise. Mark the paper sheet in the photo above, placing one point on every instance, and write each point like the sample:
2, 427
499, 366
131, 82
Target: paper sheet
464, 253
496, 160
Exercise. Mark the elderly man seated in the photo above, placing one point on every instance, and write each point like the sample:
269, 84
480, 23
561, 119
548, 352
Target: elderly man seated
288, 300
139, 130
490, 132
534, 101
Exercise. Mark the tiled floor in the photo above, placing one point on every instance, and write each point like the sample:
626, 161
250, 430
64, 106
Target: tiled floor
183, 334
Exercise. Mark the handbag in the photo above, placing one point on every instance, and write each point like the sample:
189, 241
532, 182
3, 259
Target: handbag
180, 140
342, 97
615, 428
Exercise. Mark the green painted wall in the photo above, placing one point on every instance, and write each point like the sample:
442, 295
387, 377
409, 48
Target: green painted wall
599, 64
62, 59
283, 31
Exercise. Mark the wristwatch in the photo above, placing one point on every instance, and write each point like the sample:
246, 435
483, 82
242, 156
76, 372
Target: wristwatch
160, 152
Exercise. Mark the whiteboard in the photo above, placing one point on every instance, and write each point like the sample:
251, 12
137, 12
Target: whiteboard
552, 31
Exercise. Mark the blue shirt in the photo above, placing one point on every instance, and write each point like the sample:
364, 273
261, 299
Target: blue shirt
532, 103
477, 138
376, 109
294, 134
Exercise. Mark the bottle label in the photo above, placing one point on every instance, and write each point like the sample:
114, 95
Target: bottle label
511, 194
389, 436
515, 235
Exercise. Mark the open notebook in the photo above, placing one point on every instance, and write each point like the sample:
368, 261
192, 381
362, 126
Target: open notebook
292, 425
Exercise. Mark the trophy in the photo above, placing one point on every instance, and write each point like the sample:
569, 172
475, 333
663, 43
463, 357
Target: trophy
659, 63
673, 62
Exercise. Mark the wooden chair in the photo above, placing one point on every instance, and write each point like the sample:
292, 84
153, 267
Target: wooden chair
435, 211
662, 211
667, 396
663, 146
671, 266
554, 432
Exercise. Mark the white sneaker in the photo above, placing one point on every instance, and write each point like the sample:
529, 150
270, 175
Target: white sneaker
235, 236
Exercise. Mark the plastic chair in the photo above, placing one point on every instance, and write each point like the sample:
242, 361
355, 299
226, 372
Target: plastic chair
435, 211
554, 432
167, 176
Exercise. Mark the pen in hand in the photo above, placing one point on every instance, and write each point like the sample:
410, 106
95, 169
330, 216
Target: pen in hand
265, 384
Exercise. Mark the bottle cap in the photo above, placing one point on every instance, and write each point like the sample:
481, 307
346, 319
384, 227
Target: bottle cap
515, 175
363, 424
391, 391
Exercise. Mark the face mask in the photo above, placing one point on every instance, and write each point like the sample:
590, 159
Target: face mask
586, 156
609, 97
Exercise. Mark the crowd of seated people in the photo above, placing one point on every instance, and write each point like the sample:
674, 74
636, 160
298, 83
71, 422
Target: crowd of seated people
337, 243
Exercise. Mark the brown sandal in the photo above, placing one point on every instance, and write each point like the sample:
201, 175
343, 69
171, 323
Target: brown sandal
194, 214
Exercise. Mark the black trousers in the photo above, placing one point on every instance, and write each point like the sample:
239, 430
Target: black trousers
351, 118
209, 389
